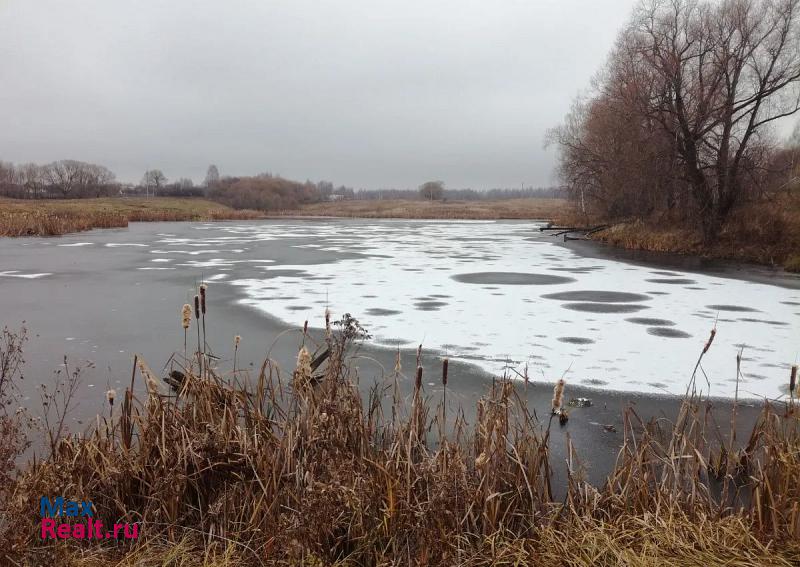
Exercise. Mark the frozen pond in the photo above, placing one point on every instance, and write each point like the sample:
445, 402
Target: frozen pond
500, 295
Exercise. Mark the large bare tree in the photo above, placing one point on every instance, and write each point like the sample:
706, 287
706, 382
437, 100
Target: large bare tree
153, 180
679, 118
717, 74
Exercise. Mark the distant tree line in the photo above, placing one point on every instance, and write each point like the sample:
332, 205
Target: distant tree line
678, 121
71, 179
262, 192
60, 179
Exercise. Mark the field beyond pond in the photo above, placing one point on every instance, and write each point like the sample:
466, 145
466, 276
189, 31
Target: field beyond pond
419, 209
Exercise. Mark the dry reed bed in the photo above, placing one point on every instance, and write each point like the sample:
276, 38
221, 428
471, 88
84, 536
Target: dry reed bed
52, 218
230, 469
764, 232
531, 208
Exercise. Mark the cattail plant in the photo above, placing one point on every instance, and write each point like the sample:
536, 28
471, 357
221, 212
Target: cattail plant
302, 372
236, 340
558, 402
558, 396
418, 381
203, 288
197, 318
111, 395
710, 340
186, 319
445, 368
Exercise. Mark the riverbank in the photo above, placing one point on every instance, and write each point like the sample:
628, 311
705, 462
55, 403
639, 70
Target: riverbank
239, 468
52, 217
766, 233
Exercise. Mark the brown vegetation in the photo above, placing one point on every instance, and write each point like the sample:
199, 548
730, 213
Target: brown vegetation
225, 469
263, 192
678, 122
54, 217
765, 232
418, 209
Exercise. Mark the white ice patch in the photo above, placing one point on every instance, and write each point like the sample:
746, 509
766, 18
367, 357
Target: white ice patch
403, 288
16, 274
75, 244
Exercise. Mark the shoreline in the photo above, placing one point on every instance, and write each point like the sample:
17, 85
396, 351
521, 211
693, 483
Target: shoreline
80, 215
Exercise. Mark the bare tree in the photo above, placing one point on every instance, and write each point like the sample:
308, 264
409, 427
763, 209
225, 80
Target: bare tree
680, 115
212, 176
723, 72
64, 175
432, 190
153, 180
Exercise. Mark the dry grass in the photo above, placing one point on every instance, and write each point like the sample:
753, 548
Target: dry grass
227, 469
408, 209
765, 233
54, 217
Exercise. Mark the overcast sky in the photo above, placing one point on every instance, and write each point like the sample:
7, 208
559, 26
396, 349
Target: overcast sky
363, 93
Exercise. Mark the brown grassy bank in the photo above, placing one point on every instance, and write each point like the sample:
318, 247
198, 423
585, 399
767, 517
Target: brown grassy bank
420, 209
222, 468
764, 233
54, 217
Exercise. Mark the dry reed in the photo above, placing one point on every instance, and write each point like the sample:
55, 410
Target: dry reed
236, 471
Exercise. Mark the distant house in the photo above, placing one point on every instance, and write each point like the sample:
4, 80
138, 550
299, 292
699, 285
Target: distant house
335, 197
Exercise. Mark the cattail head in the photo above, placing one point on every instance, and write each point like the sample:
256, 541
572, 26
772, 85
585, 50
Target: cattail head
110, 396
203, 288
419, 353
397, 366
302, 374
710, 340
186, 315
558, 396
418, 381
305, 327
793, 378
445, 365
327, 320
236, 340
196, 307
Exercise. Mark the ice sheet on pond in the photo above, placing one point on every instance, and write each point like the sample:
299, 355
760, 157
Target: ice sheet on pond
527, 300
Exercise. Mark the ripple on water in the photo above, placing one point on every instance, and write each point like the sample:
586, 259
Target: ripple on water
651, 321
738, 308
598, 296
668, 333
604, 307
511, 278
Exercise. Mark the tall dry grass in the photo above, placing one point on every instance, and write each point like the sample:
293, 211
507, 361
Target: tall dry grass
56, 217
299, 468
765, 232
530, 208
